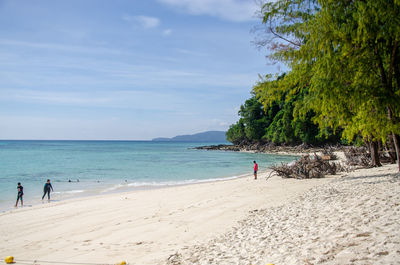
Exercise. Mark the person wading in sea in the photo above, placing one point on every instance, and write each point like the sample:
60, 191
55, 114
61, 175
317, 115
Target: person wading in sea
46, 189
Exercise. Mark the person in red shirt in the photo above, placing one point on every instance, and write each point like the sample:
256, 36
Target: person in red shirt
255, 169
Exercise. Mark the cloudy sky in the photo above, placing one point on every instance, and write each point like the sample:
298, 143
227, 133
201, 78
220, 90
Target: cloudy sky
125, 69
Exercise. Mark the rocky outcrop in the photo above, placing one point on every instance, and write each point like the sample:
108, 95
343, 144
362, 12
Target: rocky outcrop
265, 148
224, 147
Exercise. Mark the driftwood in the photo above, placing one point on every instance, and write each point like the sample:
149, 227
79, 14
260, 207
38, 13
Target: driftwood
361, 157
307, 167
358, 157
328, 153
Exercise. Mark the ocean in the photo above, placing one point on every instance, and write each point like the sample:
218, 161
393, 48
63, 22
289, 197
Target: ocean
84, 168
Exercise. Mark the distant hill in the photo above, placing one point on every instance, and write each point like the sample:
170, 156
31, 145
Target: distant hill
210, 136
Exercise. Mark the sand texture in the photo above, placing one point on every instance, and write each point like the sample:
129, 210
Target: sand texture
337, 220
141, 227
351, 220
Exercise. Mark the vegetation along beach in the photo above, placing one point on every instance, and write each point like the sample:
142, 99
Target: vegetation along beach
200, 132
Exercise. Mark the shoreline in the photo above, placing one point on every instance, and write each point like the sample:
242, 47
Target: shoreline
118, 189
143, 227
126, 189
121, 187
219, 222
131, 173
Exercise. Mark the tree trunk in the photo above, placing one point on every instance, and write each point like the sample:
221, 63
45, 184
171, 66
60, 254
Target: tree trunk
369, 147
391, 150
397, 147
375, 154
395, 139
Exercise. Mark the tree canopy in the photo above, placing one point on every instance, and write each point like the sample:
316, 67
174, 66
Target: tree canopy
344, 61
276, 123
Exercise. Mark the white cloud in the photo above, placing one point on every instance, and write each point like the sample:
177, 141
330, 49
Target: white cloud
146, 22
191, 52
143, 100
54, 46
232, 10
167, 32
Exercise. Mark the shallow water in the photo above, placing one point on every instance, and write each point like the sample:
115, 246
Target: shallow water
79, 168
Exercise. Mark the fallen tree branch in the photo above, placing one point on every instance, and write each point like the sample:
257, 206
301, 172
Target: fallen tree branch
308, 167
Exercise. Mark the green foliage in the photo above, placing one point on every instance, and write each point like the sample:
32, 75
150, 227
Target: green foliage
275, 123
253, 119
236, 134
252, 124
280, 129
344, 58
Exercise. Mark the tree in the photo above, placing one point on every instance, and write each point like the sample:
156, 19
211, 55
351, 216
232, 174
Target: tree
287, 127
236, 134
251, 125
253, 118
345, 53
275, 123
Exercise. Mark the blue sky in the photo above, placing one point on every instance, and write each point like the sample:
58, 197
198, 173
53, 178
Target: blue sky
125, 69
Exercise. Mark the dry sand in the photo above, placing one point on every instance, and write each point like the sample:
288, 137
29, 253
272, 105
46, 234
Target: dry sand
354, 219
350, 220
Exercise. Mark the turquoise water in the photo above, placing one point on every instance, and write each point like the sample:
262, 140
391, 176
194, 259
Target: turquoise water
113, 166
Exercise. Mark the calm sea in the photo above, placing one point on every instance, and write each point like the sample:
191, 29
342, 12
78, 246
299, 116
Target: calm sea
82, 168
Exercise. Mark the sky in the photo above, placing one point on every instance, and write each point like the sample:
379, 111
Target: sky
125, 69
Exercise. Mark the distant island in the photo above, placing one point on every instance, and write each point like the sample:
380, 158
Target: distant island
209, 136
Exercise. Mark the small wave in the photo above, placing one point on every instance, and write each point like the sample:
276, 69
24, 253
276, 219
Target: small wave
114, 188
161, 184
178, 183
68, 192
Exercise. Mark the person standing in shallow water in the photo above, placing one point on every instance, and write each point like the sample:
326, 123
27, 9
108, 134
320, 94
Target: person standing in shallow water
20, 195
255, 169
46, 189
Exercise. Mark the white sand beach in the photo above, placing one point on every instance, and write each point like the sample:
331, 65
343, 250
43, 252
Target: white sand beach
351, 219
